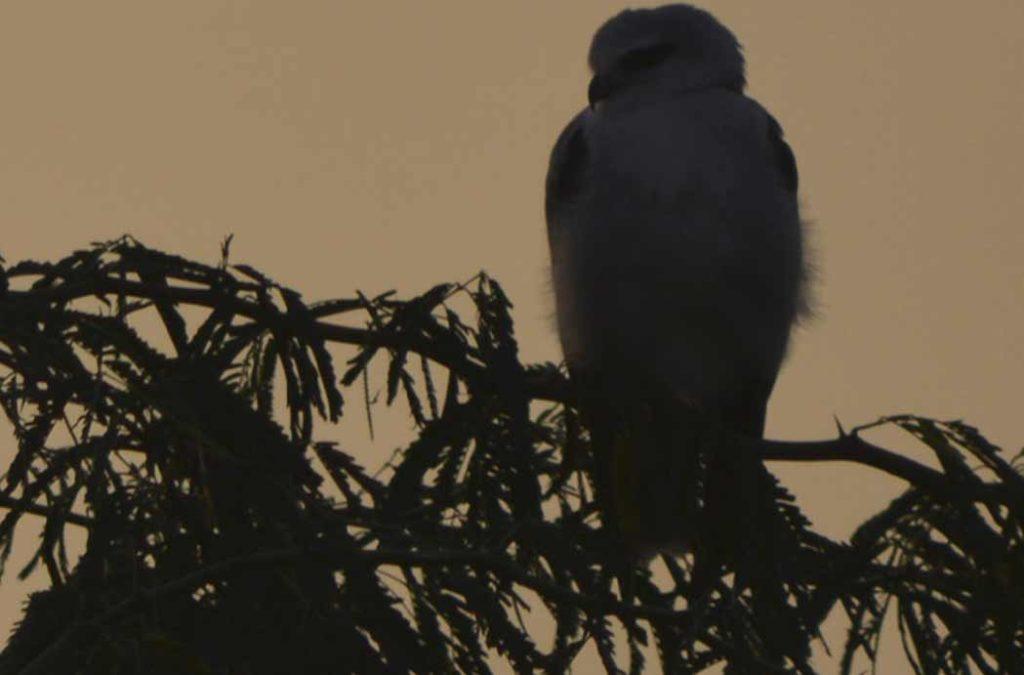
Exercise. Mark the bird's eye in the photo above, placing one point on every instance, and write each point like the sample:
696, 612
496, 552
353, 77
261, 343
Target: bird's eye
646, 57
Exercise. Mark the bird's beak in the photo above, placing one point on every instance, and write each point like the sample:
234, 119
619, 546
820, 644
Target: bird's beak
598, 90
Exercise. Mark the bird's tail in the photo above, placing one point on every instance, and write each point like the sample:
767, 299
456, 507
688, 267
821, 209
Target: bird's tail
649, 471
672, 478
751, 527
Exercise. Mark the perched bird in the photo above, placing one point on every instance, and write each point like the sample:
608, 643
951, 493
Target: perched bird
678, 269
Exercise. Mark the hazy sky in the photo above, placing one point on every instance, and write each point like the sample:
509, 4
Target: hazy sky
400, 144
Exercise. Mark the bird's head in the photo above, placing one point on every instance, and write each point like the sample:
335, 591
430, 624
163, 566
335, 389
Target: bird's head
675, 45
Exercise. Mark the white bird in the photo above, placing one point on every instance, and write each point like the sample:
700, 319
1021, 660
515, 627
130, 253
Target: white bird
678, 267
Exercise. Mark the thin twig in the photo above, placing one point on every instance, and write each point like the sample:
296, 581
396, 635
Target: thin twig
15, 504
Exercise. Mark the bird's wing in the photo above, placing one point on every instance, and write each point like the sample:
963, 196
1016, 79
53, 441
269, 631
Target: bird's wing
565, 185
566, 173
747, 407
785, 160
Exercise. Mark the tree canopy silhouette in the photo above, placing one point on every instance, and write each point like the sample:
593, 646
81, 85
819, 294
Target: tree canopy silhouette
221, 539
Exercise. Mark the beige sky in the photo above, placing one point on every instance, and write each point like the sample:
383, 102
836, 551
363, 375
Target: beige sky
399, 144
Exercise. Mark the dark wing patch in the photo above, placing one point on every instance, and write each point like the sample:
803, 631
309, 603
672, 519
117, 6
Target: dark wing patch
784, 158
744, 411
567, 170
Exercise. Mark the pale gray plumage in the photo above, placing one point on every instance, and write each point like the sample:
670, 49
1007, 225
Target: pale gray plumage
676, 245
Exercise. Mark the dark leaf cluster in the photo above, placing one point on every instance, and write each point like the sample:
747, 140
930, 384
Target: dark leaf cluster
222, 534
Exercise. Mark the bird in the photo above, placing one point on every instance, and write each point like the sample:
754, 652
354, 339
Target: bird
679, 270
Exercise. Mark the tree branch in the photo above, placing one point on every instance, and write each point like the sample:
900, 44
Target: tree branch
15, 504
214, 299
852, 448
538, 385
44, 662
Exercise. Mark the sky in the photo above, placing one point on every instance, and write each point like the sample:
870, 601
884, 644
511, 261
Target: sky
399, 144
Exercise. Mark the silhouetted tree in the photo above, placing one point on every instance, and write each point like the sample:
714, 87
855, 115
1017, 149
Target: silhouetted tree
220, 542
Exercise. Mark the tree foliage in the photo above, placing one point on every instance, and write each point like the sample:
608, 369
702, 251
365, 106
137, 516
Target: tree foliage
226, 537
